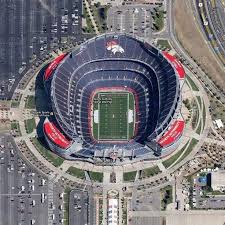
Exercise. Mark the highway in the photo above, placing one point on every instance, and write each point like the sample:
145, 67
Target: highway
211, 26
187, 60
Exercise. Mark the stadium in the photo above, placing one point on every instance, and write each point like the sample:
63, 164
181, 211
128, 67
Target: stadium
114, 99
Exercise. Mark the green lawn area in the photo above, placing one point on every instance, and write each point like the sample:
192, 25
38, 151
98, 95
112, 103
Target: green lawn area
190, 147
163, 44
199, 101
191, 82
100, 211
129, 176
151, 171
96, 176
203, 114
167, 163
30, 125
66, 205
113, 108
195, 115
159, 19
30, 102
198, 130
76, 172
166, 196
50, 156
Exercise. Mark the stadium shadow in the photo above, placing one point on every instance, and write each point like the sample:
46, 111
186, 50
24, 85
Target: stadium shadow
43, 106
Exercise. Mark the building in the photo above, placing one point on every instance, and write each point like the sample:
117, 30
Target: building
218, 180
114, 99
113, 210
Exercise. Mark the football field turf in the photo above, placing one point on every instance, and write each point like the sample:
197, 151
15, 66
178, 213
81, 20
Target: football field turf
113, 116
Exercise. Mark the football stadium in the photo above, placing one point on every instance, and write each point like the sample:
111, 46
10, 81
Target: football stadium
114, 98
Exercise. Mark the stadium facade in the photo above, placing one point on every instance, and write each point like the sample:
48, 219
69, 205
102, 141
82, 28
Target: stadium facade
111, 67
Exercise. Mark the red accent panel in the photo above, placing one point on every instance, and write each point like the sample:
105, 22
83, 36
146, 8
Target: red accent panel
176, 63
172, 134
55, 135
52, 66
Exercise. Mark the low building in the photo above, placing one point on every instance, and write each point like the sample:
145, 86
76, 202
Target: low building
113, 211
218, 180
218, 123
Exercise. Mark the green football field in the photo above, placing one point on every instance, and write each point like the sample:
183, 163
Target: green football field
113, 116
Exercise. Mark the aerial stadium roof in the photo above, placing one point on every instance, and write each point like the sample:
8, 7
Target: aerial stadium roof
129, 65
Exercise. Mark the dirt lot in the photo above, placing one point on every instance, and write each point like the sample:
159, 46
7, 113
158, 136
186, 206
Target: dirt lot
193, 41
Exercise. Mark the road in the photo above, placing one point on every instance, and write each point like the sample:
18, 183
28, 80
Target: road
208, 84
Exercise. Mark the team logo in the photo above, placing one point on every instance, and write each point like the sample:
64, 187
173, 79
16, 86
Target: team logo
114, 47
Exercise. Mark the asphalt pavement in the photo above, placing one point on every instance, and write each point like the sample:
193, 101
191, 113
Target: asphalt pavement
25, 194
28, 30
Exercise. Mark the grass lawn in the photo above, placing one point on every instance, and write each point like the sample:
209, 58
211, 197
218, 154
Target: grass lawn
30, 102
151, 171
190, 147
30, 125
163, 44
195, 116
129, 176
76, 172
203, 114
199, 101
167, 163
112, 109
198, 130
96, 176
166, 196
191, 82
50, 156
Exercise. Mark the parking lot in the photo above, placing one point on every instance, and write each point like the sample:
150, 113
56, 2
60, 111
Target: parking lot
132, 20
26, 196
30, 28
79, 208
145, 201
202, 201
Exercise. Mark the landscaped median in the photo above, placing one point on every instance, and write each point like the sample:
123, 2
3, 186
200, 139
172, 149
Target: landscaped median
15, 128
50, 156
181, 154
190, 147
192, 84
100, 15
167, 163
166, 196
66, 198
